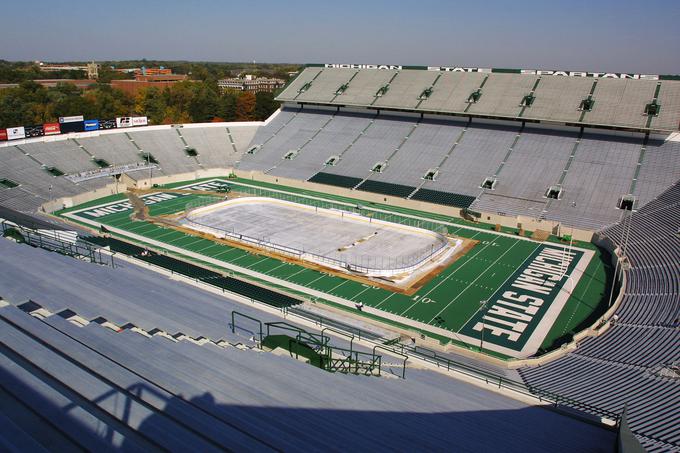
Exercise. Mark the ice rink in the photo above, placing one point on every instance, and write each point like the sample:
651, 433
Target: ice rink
348, 238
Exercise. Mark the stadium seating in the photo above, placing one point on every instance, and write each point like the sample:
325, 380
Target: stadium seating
631, 364
92, 387
618, 102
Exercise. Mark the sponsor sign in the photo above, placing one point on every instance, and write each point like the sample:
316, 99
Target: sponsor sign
107, 124
91, 125
72, 126
51, 128
516, 309
71, 119
34, 131
124, 121
140, 121
16, 133
3, 134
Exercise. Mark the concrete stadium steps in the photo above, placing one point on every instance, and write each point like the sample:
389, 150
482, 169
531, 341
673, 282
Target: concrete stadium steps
502, 95
298, 131
669, 98
559, 98
63, 154
212, 144
139, 410
452, 91
477, 156
20, 200
114, 148
660, 169
269, 131
426, 148
405, 89
152, 392
364, 86
376, 144
324, 85
621, 102
167, 147
332, 140
600, 173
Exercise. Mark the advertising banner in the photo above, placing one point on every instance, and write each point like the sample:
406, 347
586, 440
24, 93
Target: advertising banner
3, 134
140, 121
16, 133
34, 131
125, 121
107, 124
91, 125
51, 129
71, 119
72, 126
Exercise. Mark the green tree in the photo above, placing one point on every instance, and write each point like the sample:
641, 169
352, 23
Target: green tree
265, 105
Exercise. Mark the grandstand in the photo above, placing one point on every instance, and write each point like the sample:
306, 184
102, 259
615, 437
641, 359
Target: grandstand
595, 159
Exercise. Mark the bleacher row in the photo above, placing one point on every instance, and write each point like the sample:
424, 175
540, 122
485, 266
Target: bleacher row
593, 170
26, 163
106, 379
617, 102
637, 361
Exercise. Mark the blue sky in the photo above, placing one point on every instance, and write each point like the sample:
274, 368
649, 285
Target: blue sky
613, 36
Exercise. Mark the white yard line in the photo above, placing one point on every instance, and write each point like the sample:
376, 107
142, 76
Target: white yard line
449, 276
473, 281
504, 282
385, 300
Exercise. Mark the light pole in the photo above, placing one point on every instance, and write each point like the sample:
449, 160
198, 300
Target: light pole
482, 304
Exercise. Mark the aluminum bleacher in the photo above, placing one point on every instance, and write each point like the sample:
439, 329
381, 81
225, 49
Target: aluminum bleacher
167, 147
335, 137
618, 102
95, 382
479, 153
425, 149
64, 155
113, 148
635, 362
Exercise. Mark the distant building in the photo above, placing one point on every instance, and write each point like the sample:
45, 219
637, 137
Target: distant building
143, 81
92, 69
251, 83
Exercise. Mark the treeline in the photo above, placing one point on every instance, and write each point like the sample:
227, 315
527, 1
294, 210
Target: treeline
183, 102
15, 72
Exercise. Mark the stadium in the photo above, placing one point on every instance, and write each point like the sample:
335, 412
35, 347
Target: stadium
398, 255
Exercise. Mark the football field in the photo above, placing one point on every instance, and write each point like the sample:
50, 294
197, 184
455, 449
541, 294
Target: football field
521, 295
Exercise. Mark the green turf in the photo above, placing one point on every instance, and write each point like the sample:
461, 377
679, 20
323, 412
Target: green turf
448, 301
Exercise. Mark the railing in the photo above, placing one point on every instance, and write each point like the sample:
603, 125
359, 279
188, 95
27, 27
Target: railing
435, 359
54, 244
234, 313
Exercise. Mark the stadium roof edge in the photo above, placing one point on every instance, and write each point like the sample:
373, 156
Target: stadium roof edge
557, 72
